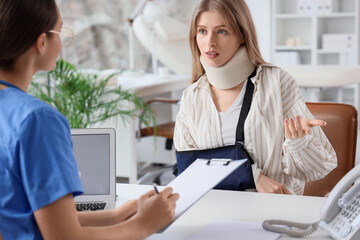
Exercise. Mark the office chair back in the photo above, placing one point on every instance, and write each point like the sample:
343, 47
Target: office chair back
341, 130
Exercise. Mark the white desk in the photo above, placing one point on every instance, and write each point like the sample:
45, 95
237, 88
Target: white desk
144, 86
233, 206
149, 84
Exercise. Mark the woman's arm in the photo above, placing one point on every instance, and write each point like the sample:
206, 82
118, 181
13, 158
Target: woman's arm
182, 136
307, 155
59, 219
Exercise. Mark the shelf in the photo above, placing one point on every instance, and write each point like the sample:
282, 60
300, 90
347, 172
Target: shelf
307, 16
290, 26
292, 16
328, 51
338, 15
293, 48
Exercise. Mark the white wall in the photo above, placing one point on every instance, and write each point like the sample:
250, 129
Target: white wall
261, 14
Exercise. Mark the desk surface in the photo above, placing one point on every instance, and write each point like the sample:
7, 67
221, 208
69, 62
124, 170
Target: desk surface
233, 206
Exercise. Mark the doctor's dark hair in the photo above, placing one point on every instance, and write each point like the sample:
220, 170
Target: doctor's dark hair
21, 23
237, 17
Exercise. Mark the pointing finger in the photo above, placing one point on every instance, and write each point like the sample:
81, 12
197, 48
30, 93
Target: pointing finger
316, 122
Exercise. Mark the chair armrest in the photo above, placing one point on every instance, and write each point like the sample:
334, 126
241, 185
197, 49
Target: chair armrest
153, 102
162, 100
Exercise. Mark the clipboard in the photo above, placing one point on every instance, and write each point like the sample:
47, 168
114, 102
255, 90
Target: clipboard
199, 178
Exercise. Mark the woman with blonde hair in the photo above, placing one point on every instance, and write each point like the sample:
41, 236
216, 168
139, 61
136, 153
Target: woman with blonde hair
239, 103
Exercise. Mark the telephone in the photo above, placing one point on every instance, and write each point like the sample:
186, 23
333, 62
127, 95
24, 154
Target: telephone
339, 216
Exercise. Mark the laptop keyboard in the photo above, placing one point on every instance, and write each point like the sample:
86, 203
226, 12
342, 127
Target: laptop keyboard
90, 206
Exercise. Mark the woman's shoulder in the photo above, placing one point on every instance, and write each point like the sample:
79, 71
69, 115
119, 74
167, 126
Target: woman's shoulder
199, 85
273, 71
198, 90
268, 67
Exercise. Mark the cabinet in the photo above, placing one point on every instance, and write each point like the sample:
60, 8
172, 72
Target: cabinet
315, 32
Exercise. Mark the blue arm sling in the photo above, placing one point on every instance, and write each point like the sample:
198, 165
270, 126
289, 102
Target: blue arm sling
242, 178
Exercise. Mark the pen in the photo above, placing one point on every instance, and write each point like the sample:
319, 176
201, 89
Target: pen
155, 188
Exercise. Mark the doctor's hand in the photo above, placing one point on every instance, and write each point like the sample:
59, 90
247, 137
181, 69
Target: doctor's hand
268, 185
155, 211
126, 210
300, 127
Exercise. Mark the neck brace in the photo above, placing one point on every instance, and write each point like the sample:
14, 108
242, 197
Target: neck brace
232, 73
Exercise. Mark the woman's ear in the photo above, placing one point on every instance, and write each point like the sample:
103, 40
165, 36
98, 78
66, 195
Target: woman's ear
242, 40
41, 43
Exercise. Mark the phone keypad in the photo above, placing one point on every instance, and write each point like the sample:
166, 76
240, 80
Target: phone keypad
348, 219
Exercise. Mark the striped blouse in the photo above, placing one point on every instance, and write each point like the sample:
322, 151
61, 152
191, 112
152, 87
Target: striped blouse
276, 97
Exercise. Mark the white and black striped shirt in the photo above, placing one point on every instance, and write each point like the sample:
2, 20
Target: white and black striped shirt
276, 97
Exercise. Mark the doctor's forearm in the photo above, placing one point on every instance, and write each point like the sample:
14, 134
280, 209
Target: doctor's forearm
108, 217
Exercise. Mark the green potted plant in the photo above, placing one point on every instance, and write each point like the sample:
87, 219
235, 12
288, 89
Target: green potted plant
86, 98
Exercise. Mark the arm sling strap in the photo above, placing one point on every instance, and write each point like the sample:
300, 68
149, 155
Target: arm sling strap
242, 178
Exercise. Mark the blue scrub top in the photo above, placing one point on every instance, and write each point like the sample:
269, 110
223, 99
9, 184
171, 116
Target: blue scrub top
37, 163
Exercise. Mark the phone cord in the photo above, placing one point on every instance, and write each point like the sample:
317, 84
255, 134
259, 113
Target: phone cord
304, 229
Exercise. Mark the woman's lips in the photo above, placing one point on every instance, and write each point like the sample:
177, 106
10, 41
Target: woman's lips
212, 54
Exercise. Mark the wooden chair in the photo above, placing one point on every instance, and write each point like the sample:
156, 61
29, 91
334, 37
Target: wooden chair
162, 130
341, 130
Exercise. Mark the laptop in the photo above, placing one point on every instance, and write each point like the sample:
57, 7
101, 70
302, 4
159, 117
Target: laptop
94, 150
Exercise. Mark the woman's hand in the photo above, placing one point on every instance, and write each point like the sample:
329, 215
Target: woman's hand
298, 128
268, 185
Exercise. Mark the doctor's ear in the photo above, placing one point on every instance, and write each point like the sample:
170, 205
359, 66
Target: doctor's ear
40, 44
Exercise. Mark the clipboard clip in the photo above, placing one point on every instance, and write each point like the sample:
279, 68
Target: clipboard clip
224, 162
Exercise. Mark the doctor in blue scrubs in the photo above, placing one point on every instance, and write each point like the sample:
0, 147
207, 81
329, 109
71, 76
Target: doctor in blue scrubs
38, 173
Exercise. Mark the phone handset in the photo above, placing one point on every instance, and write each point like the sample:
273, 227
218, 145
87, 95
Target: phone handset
335, 202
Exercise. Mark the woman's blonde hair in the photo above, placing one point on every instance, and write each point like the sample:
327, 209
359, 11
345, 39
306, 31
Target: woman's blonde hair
237, 17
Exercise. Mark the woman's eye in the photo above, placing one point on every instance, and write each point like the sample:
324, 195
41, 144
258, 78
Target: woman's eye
202, 31
222, 31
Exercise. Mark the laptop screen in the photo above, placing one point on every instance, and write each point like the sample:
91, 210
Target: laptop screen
92, 153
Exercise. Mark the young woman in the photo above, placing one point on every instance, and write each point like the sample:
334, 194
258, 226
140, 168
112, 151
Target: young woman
38, 172
286, 144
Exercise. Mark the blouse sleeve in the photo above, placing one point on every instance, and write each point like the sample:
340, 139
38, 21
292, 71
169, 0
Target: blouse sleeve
182, 137
309, 158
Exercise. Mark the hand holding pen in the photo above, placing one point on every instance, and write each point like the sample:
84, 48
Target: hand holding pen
157, 205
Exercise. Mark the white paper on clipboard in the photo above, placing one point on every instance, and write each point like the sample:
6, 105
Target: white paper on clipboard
198, 179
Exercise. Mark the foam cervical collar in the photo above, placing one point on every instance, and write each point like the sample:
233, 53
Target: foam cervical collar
232, 73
